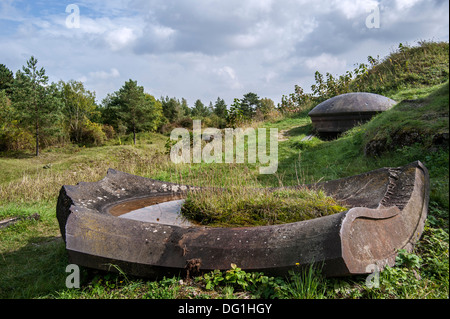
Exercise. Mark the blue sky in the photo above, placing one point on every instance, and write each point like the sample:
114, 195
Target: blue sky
204, 49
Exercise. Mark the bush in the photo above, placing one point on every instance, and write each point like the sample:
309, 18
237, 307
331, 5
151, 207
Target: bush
109, 131
92, 133
16, 139
215, 122
185, 122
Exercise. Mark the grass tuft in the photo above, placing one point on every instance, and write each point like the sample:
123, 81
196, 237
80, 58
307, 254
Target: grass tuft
240, 207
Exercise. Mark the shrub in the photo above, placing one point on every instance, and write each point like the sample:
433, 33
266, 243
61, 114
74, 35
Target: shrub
109, 131
14, 138
185, 122
92, 133
215, 122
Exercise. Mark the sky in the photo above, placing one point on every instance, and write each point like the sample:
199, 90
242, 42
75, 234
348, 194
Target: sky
205, 49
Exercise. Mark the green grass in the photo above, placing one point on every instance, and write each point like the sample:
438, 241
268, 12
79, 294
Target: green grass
416, 121
244, 207
408, 67
32, 254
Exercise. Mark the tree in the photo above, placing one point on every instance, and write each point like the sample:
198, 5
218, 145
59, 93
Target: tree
132, 108
131, 100
249, 104
235, 116
266, 106
220, 108
79, 107
199, 109
37, 102
172, 109
320, 88
6, 79
185, 107
155, 115
210, 108
12, 136
108, 110
6, 111
34, 80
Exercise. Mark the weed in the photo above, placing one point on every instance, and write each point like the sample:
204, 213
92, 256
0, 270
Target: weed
305, 284
408, 260
257, 283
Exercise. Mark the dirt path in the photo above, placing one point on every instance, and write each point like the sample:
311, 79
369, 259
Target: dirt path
284, 136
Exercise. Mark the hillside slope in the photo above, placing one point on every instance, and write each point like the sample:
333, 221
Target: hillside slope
423, 121
408, 67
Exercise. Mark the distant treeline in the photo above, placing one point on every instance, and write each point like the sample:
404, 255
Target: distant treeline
35, 113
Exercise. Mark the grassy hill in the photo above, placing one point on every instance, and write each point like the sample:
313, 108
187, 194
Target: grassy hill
423, 65
32, 254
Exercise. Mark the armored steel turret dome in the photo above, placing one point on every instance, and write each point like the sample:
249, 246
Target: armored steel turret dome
343, 112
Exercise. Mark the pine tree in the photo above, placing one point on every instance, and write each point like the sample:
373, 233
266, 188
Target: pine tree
172, 109
6, 79
185, 107
35, 100
249, 104
220, 108
200, 110
133, 108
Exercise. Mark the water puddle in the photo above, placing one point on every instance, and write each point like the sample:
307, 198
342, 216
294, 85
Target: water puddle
160, 210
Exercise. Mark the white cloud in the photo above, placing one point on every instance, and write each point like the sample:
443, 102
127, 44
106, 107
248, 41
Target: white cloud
120, 38
406, 4
104, 75
95, 26
228, 75
270, 76
9, 12
354, 8
204, 49
226, 70
326, 63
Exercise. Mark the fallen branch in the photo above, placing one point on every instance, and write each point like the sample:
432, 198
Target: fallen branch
11, 221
